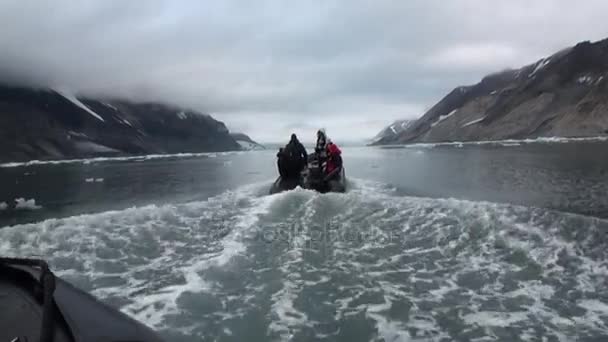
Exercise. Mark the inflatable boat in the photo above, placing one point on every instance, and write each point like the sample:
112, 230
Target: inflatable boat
312, 177
38, 306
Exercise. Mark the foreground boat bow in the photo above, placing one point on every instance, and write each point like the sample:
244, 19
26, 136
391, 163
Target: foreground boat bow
37, 306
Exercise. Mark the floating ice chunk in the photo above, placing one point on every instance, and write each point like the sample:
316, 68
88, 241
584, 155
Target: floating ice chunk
89, 180
23, 204
98, 180
3, 206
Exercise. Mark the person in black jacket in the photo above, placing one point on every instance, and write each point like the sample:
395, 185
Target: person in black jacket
297, 153
282, 163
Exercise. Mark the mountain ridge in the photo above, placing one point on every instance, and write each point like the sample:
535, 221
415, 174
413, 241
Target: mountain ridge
565, 94
43, 123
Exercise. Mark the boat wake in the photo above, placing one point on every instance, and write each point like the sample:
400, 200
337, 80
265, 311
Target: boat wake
368, 264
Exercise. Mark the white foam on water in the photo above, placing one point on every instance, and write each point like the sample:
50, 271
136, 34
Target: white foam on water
501, 225
286, 318
444, 251
175, 243
594, 305
495, 319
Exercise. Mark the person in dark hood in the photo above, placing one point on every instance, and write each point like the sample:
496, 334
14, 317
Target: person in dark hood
321, 141
297, 153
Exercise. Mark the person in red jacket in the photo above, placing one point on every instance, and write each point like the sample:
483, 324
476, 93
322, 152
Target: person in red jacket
334, 161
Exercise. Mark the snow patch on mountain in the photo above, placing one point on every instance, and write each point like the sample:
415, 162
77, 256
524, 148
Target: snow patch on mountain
586, 79
474, 121
110, 106
392, 130
72, 98
443, 117
540, 65
246, 145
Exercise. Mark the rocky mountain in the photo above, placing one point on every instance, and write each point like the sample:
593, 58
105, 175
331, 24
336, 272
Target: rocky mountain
246, 142
565, 94
51, 124
392, 131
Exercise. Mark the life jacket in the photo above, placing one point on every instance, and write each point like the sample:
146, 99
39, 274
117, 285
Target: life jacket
334, 158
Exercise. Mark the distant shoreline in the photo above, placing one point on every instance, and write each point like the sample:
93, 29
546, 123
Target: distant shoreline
505, 142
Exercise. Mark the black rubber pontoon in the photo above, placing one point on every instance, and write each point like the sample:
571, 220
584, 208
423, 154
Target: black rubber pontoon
313, 178
37, 306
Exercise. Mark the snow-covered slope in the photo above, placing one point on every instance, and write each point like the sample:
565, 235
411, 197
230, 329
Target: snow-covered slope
392, 131
562, 95
246, 142
68, 95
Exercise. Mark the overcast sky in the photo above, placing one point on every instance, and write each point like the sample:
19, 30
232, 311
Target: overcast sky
270, 67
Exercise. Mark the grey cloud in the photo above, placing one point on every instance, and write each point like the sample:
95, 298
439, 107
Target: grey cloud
270, 66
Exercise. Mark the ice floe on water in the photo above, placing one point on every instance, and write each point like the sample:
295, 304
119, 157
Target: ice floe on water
23, 204
368, 265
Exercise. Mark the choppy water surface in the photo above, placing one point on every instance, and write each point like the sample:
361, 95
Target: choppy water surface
213, 257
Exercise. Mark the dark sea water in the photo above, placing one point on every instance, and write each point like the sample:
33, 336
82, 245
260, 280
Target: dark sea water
498, 242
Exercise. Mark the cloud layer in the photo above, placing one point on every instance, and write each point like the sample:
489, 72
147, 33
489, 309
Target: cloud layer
271, 67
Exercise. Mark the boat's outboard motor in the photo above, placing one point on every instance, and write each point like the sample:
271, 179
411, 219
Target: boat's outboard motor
37, 306
315, 175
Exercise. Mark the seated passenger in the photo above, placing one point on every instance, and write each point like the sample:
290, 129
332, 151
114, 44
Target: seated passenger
334, 161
